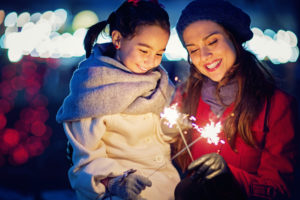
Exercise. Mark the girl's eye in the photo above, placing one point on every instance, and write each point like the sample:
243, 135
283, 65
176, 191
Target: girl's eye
143, 51
159, 54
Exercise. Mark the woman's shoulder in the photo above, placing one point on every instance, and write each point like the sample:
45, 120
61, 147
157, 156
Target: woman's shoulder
282, 97
283, 101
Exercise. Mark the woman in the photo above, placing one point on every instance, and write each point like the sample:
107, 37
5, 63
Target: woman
227, 84
111, 116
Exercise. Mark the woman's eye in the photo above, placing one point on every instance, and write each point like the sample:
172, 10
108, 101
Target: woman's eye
159, 54
193, 51
213, 42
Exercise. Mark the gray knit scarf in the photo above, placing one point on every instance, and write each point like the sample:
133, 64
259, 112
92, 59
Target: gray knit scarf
228, 94
102, 85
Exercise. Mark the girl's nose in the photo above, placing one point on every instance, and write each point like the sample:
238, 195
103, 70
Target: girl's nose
149, 62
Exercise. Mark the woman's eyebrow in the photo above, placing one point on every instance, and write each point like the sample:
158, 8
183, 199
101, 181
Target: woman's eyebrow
205, 38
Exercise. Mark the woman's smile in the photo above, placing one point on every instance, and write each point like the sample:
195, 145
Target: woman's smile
213, 66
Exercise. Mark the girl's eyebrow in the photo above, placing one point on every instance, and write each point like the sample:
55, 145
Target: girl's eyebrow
205, 38
146, 45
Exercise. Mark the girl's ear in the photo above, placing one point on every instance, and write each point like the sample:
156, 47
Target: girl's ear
116, 37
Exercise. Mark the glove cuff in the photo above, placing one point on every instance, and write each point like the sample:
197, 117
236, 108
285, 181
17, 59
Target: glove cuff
107, 191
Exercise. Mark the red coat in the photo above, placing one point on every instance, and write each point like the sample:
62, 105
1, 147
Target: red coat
260, 172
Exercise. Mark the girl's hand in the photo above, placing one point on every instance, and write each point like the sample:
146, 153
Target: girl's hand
183, 122
128, 186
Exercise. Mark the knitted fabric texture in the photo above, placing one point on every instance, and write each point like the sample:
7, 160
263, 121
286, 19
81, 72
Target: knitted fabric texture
228, 94
101, 85
222, 12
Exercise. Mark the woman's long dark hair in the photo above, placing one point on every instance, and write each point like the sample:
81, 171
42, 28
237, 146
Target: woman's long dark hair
127, 18
255, 85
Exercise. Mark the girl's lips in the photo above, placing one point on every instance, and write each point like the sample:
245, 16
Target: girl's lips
213, 65
142, 68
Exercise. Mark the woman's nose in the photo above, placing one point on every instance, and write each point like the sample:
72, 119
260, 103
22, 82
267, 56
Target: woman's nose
205, 52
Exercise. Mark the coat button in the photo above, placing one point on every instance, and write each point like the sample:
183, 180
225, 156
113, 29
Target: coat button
159, 158
148, 140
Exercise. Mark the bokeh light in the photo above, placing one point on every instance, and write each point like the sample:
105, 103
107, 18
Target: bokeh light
25, 135
280, 47
84, 19
39, 36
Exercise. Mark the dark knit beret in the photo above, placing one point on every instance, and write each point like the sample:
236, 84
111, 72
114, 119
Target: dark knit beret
222, 12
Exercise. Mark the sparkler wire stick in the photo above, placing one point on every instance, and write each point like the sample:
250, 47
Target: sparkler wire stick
184, 141
171, 115
185, 148
177, 154
211, 139
210, 131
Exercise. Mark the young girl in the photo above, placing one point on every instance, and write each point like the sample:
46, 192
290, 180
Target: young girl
111, 116
228, 84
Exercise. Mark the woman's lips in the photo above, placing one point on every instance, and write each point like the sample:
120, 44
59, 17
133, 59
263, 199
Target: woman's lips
213, 65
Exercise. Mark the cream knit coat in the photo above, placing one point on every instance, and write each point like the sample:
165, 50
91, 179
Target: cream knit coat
109, 141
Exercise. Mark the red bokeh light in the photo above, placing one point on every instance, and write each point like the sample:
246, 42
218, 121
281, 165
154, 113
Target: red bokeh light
4, 148
3, 121
8, 72
22, 126
47, 135
6, 90
17, 83
42, 113
39, 100
28, 115
30, 135
38, 128
5, 106
11, 137
34, 146
28, 68
20, 155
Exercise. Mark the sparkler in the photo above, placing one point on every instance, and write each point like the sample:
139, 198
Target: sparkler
209, 131
172, 115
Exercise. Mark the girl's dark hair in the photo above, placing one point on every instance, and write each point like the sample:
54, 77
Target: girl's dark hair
127, 18
255, 85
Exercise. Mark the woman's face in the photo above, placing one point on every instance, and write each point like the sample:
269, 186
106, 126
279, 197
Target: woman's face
210, 48
144, 50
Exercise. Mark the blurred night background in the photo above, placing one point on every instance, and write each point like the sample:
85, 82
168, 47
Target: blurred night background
40, 47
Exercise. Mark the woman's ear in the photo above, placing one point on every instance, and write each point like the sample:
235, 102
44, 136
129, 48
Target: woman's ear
116, 37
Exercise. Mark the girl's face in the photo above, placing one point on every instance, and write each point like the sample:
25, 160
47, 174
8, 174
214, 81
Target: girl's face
210, 49
144, 50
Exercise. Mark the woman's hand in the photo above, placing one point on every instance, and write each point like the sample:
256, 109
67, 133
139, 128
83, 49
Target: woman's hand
208, 167
211, 179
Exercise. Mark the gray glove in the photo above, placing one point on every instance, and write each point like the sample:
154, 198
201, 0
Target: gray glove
208, 166
128, 187
210, 174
